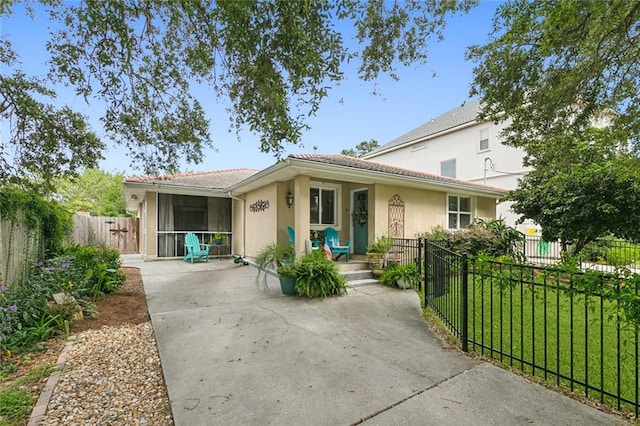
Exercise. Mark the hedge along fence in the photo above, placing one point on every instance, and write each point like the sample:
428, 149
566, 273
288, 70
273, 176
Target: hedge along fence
30, 228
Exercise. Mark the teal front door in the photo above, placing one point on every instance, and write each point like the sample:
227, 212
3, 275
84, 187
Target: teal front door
360, 221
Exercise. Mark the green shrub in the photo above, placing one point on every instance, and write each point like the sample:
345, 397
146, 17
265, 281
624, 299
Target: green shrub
82, 272
47, 218
492, 237
101, 269
317, 276
408, 273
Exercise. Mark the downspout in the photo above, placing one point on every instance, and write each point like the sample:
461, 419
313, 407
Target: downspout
244, 223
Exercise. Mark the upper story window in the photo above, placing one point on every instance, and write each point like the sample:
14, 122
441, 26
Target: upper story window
448, 168
459, 214
484, 140
324, 205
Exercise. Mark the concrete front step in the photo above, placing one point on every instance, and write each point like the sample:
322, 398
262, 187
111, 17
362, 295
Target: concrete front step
352, 266
360, 274
363, 282
357, 273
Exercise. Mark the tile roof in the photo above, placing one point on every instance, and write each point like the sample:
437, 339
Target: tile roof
374, 166
216, 179
464, 114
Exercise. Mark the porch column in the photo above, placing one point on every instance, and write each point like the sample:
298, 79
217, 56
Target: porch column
302, 218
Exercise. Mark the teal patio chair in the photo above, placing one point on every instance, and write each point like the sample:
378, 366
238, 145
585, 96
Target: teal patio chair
193, 249
292, 235
331, 238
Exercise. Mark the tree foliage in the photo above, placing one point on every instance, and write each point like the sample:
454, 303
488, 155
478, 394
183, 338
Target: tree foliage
552, 67
584, 189
275, 60
44, 140
95, 191
362, 149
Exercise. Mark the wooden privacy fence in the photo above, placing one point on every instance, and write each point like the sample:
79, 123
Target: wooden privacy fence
120, 233
19, 245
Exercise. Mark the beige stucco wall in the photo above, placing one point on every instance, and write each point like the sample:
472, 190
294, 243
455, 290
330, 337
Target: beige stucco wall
261, 226
237, 227
151, 225
486, 208
423, 210
285, 214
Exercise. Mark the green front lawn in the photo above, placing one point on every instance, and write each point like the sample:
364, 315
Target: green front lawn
541, 327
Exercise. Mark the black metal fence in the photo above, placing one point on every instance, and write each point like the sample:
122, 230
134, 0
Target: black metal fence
406, 250
577, 330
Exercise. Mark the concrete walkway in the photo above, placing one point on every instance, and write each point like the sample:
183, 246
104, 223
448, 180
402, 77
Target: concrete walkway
234, 352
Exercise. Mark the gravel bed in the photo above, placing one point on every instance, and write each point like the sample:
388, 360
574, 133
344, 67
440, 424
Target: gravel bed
112, 376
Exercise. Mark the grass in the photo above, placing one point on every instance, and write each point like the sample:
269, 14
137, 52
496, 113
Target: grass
537, 325
16, 401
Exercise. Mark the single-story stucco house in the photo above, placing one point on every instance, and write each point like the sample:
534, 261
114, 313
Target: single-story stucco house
360, 199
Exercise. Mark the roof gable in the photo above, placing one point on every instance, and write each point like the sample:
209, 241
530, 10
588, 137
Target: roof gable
466, 113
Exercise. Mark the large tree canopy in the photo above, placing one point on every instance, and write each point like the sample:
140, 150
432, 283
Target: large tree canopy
274, 59
553, 67
95, 191
582, 187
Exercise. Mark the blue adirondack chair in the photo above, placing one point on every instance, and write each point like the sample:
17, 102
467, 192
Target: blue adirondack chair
292, 235
331, 238
194, 249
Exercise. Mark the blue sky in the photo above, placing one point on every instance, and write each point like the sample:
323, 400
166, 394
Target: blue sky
350, 114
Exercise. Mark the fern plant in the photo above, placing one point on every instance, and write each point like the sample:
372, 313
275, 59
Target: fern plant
317, 276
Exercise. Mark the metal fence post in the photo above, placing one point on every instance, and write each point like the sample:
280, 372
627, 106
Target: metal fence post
464, 303
426, 271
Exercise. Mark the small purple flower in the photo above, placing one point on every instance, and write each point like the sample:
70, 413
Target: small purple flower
49, 269
40, 263
2, 287
8, 318
13, 308
64, 265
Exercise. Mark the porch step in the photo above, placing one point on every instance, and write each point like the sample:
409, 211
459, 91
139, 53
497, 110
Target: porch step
363, 283
357, 274
352, 265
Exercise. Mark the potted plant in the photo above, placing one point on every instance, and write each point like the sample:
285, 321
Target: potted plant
272, 258
218, 239
317, 276
376, 253
404, 276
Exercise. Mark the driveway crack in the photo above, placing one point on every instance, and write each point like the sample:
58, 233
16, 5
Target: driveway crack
413, 395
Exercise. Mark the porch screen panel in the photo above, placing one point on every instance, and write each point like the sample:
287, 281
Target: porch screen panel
190, 213
219, 214
166, 240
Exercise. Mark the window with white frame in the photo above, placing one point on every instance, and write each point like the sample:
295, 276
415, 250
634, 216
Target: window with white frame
459, 215
324, 205
448, 168
484, 140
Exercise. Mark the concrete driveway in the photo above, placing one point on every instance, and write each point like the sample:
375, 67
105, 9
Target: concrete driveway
234, 352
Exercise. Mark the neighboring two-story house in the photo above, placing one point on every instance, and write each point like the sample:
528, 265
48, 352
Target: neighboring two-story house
457, 145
